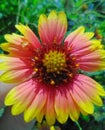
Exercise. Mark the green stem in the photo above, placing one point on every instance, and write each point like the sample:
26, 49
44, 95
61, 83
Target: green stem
77, 123
18, 12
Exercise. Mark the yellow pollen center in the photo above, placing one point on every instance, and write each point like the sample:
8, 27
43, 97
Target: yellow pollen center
54, 61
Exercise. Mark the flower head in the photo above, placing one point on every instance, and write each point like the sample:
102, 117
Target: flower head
48, 72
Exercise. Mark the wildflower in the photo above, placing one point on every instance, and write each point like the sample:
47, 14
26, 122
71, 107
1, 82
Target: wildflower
48, 74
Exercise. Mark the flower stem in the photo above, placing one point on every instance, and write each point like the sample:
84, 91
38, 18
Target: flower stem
77, 123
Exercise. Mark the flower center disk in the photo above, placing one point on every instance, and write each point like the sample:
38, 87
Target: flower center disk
54, 61
53, 65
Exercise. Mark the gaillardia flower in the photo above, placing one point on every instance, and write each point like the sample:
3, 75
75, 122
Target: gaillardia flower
50, 85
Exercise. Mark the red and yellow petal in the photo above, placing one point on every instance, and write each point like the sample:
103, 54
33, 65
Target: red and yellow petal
29, 35
78, 40
82, 99
26, 98
93, 61
37, 105
85, 92
50, 114
31, 101
53, 28
15, 76
14, 69
71, 37
14, 63
89, 54
20, 50
17, 45
14, 38
61, 105
19, 98
97, 88
74, 111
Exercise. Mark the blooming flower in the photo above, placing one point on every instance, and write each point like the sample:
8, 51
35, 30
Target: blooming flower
48, 74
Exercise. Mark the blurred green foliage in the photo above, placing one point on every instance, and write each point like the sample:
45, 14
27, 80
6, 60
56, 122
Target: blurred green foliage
90, 13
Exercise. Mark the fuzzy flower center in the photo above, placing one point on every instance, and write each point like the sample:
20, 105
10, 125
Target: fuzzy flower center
54, 61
